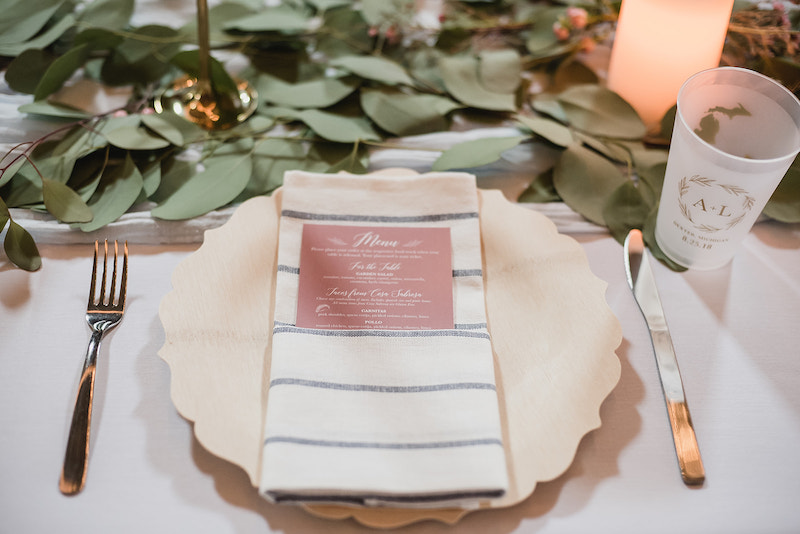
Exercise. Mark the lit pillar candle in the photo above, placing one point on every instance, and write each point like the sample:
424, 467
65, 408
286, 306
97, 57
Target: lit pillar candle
659, 44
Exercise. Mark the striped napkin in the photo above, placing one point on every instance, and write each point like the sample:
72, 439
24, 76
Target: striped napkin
372, 417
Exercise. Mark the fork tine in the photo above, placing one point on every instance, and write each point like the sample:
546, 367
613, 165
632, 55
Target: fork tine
102, 299
124, 279
94, 274
112, 289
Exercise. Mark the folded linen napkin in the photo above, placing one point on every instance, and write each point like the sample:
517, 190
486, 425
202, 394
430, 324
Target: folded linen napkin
405, 415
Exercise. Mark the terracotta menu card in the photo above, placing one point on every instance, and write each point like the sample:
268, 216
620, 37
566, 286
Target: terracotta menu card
387, 278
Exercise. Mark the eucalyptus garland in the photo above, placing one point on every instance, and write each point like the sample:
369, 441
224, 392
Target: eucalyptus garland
334, 78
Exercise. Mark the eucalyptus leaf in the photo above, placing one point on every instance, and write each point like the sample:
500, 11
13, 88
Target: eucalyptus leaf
129, 134
600, 111
644, 158
218, 16
667, 123
10, 163
609, 148
376, 12
784, 205
174, 174
649, 236
109, 14
332, 126
25, 70
151, 177
86, 177
80, 141
424, 67
272, 158
374, 68
571, 73
41, 40
500, 70
46, 109
460, 75
24, 188
23, 19
624, 210
281, 18
189, 131
345, 32
560, 48
223, 178
355, 163
142, 57
147, 41
64, 203
541, 36
476, 152
319, 93
252, 127
650, 166
99, 39
548, 104
164, 128
405, 114
324, 5
334, 153
20, 247
541, 189
585, 181
227, 147
60, 70
553, 131
119, 189
57, 167
651, 181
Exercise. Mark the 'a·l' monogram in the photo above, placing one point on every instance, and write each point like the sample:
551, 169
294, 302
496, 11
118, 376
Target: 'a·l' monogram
721, 210
711, 206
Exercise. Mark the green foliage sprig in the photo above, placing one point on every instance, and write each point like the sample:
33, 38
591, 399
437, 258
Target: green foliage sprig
334, 78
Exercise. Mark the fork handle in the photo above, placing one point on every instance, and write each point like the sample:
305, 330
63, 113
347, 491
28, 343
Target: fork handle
76, 458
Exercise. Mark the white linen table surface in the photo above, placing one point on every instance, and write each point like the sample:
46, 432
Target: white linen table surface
735, 333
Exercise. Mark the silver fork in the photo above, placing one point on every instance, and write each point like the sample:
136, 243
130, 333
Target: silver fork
102, 314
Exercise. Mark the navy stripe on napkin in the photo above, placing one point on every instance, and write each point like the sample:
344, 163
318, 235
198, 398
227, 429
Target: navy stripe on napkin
282, 329
380, 388
304, 215
288, 269
384, 445
287, 497
470, 326
457, 273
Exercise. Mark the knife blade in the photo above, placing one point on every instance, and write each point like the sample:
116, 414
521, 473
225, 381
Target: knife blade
642, 283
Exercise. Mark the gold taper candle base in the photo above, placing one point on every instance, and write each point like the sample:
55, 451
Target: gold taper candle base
198, 103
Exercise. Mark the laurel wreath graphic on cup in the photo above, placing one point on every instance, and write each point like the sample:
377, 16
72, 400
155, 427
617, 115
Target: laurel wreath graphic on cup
687, 184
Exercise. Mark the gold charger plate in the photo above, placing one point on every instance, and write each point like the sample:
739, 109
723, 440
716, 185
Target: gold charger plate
554, 340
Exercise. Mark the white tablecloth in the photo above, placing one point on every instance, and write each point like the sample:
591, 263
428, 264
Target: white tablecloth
735, 331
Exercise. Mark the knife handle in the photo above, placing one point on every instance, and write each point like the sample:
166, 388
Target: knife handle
688, 452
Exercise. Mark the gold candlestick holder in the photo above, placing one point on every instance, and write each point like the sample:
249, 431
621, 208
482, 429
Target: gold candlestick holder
197, 100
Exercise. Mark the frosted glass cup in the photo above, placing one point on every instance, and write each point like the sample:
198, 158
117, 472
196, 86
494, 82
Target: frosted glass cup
736, 133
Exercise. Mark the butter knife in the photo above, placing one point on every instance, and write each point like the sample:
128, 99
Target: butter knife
643, 284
